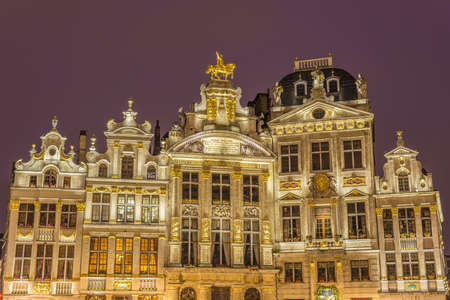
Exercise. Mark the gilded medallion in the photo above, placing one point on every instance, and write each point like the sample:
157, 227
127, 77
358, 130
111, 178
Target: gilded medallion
321, 183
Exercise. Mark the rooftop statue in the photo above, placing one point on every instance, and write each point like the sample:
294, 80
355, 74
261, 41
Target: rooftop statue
220, 71
361, 85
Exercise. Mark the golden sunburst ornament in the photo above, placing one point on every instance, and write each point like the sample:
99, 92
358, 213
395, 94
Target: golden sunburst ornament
321, 183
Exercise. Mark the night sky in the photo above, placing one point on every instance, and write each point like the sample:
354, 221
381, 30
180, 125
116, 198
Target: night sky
81, 60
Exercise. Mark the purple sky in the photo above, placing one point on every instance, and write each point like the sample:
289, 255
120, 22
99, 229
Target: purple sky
81, 60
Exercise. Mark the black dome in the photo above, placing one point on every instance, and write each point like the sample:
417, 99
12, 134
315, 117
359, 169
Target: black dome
347, 87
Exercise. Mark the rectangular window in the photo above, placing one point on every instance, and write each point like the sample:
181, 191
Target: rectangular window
407, 222
403, 183
359, 270
356, 214
124, 256
47, 215
289, 158
65, 261
251, 242
189, 240
66, 182
429, 265
100, 207
352, 154
98, 255
22, 261
150, 209
221, 189
127, 167
325, 271
44, 262
251, 190
149, 254
69, 216
291, 223
300, 89
387, 223
26, 215
293, 272
391, 271
190, 187
426, 221
410, 264
33, 181
125, 208
323, 227
320, 156
221, 233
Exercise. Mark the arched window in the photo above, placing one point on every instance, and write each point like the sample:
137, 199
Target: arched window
333, 85
252, 294
50, 178
127, 167
103, 171
300, 89
187, 294
151, 172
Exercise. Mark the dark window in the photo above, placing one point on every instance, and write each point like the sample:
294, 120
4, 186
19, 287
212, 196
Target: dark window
293, 272
387, 223
149, 254
403, 183
426, 221
103, 171
360, 270
124, 256
318, 113
190, 187
125, 208
68, 216
22, 261
325, 271
410, 264
251, 242
407, 222
66, 182
189, 240
251, 190
187, 294
50, 178
100, 207
151, 173
429, 265
26, 215
127, 167
252, 294
44, 261
391, 271
221, 232
320, 156
356, 214
332, 86
150, 209
33, 181
98, 255
352, 154
221, 189
47, 214
65, 261
291, 223
289, 158
300, 89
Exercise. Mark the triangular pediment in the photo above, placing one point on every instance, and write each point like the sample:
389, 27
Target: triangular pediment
290, 196
355, 193
331, 111
401, 151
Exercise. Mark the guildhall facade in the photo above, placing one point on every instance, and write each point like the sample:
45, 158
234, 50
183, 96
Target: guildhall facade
275, 200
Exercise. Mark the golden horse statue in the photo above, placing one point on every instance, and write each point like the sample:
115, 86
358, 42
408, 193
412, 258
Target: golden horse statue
220, 71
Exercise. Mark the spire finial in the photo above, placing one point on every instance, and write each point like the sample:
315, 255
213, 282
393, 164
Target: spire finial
93, 140
400, 141
54, 123
130, 103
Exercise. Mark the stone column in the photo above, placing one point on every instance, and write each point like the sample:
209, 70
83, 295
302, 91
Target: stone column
54, 272
419, 240
437, 240
237, 293
237, 245
383, 268
84, 259
88, 207
113, 207
140, 173
137, 208
115, 161
398, 256
205, 243
11, 243
35, 239
136, 252
173, 290
110, 261
175, 243
205, 292
162, 254
268, 293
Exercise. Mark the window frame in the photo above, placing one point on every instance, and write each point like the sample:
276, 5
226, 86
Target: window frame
222, 189
102, 170
388, 219
24, 259
359, 219
99, 254
190, 186
251, 241
294, 271
32, 182
43, 269
329, 276
70, 214
47, 215
152, 256
50, 178
28, 215
147, 209
66, 262
128, 213
189, 240
252, 188
321, 153
359, 267
289, 220
289, 155
123, 258
127, 167
406, 221
352, 152
403, 183
338, 83
103, 206
223, 245
305, 84
410, 265
324, 230
154, 175
427, 229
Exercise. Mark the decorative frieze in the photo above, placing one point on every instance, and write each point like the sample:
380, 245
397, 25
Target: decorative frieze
14, 204
221, 211
190, 210
251, 212
354, 180
123, 284
320, 126
290, 185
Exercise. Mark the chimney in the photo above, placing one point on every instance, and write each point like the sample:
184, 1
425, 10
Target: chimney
157, 139
82, 147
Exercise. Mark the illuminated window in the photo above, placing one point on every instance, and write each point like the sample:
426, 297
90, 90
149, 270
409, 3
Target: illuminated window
189, 240
190, 187
352, 154
47, 215
65, 261
387, 223
251, 190
149, 254
325, 271
221, 189
293, 272
33, 181
22, 261
44, 261
26, 215
68, 216
127, 167
221, 232
356, 214
289, 158
407, 222
359, 270
251, 242
125, 208
100, 207
98, 255
102, 171
50, 178
124, 256
323, 227
66, 182
320, 156
151, 173
291, 223
403, 183
410, 264
426, 221
150, 209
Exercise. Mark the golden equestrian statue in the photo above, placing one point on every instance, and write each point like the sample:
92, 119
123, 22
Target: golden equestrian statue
220, 71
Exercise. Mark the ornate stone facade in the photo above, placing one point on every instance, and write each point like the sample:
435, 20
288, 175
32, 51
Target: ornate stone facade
264, 202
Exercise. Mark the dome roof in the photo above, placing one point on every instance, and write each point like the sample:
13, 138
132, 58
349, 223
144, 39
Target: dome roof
346, 87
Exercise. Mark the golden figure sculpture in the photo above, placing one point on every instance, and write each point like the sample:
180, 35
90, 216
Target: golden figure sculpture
220, 71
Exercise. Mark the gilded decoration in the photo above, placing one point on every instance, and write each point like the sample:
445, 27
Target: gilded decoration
321, 183
175, 229
290, 196
24, 234
220, 71
42, 287
266, 234
231, 109
221, 211
176, 172
67, 235
251, 212
417, 210
206, 173
211, 108
122, 284
237, 174
379, 211
327, 293
354, 180
265, 177
81, 206
206, 228
237, 230
290, 185
14, 204
433, 209
394, 211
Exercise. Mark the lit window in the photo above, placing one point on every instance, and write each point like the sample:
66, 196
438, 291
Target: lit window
190, 187
410, 264
125, 208
403, 183
68, 216
100, 207
293, 272
251, 190
325, 271
387, 223
98, 255
47, 215
359, 270
44, 261
102, 171
124, 256
291, 223
150, 209
189, 240
221, 232
289, 158
426, 221
251, 242
22, 261
356, 214
352, 154
65, 261
221, 189
127, 167
50, 178
407, 222
320, 156
33, 181
151, 173
149, 252
26, 215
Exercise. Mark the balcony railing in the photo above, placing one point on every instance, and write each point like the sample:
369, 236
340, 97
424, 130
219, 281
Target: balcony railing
311, 64
147, 285
63, 288
19, 288
96, 284
46, 234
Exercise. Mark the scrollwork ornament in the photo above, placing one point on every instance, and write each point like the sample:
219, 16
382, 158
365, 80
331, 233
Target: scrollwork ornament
251, 212
221, 211
190, 210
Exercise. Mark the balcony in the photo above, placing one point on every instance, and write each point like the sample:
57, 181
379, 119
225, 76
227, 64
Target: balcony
19, 288
63, 288
147, 285
96, 284
46, 234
